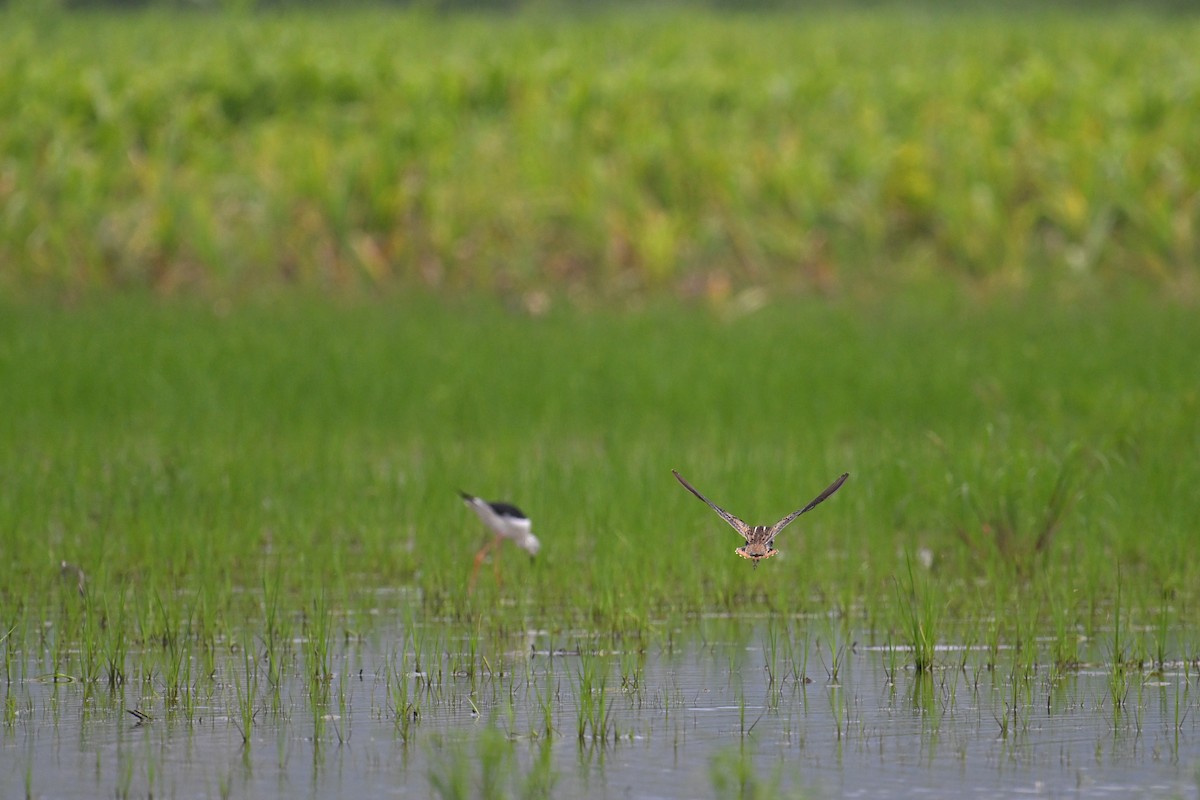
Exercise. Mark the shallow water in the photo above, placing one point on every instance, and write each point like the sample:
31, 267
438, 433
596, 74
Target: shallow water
703, 717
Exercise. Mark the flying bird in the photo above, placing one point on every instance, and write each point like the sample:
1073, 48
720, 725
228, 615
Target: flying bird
760, 539
507, 522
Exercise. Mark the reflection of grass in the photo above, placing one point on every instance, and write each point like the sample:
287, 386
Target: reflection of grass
450, 776
735, 775
486, 766
688, 148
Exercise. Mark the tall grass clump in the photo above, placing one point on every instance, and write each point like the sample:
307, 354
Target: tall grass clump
594, 724
1011, 509
245, 682
919, 612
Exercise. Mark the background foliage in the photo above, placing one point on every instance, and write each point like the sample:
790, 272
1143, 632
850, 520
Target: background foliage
610, 152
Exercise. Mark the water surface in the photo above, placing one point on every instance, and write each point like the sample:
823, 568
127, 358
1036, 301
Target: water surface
726, 710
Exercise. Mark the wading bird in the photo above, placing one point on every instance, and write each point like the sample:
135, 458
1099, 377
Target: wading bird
507, 522
760, 539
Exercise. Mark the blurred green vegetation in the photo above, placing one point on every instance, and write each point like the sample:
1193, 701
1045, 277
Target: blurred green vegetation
180, 450
664, 149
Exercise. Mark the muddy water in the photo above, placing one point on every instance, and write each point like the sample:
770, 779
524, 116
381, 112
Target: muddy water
706, 717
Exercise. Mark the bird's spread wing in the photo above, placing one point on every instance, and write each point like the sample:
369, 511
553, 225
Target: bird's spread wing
822, 497
738, 525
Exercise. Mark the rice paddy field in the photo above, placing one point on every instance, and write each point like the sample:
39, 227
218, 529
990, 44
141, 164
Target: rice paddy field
276, 287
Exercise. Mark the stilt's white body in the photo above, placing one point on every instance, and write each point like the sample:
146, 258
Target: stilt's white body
507, 522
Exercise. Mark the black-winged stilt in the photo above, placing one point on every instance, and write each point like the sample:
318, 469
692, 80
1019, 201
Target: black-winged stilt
506, 521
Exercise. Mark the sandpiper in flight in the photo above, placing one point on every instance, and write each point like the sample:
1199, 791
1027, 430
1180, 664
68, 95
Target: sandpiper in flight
507, 522
760, 539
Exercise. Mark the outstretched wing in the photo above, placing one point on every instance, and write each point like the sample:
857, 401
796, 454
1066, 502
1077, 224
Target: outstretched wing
822, 497
738, 525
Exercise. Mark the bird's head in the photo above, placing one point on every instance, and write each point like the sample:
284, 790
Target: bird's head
530, 544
